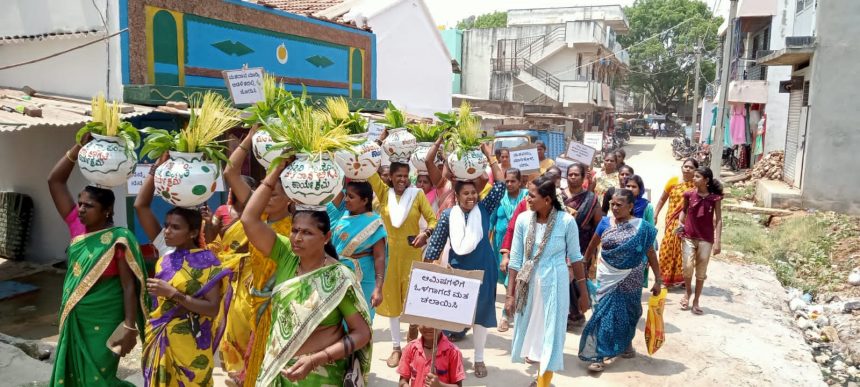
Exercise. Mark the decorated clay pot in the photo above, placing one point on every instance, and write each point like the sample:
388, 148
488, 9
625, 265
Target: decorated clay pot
312, 182
399, 145
469, 167
260, 145
105, 162
361, 161
419, 157
186, 180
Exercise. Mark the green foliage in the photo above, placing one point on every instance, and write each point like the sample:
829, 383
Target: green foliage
466, 134
664, 67
394, 118
496, 19
126, 132
800, 249
425, 132
274, 99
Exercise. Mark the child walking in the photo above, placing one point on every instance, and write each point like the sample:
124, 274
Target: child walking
414, 368
701, 226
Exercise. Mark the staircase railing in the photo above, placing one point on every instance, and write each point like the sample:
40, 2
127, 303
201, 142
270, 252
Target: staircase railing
515, 65
527, 47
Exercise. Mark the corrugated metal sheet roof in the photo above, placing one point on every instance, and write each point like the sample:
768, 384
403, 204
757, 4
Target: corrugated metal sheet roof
57, 111
49, 36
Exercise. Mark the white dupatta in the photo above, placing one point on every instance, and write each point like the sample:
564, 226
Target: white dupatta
464, 234
398, 211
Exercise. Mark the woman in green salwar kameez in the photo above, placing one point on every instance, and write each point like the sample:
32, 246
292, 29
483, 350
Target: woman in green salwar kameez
319, 315
102, 289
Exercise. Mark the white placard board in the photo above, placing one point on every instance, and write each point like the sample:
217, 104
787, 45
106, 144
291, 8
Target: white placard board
563, 163
525, 159
580, 152
594, 140
374, 130
441, 297
135, 181
245, 85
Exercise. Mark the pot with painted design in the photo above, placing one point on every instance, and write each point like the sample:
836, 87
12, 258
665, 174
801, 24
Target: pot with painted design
361, 161
469, 166
312, 181
399, 145
105, 162
186, 180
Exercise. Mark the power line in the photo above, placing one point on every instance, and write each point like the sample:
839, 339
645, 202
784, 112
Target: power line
63, 52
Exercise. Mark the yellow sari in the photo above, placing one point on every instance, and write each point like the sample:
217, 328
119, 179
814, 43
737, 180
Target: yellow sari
180, 345
249, 318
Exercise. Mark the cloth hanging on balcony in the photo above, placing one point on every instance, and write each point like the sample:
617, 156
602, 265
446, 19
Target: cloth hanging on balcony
738, 126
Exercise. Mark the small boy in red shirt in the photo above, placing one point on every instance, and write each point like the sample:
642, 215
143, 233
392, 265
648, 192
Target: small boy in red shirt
414, 368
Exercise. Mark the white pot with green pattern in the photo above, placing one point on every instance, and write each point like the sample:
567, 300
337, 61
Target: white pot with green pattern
105, 162
186, 180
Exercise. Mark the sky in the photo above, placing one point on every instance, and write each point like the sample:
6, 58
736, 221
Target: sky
449, 12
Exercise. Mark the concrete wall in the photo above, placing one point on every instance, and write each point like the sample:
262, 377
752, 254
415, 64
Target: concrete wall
804, 21
82, 73
414, 68
479, 47
832, 137
28, 17
41, 147
777, 103
454, 42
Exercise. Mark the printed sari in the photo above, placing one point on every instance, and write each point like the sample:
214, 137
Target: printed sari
612, 326
671, 262
92, 308
299, 305
353, 236
249, 316
180, 345
500, 220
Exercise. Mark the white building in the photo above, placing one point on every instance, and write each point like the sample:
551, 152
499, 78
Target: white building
565, 57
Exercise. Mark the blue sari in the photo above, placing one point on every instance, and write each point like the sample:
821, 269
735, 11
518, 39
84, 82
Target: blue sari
612, 326
500, 219
353, 236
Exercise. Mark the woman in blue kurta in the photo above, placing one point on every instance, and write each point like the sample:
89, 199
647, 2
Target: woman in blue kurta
545, 257
625, 242
359, 237
466, 227
500, 221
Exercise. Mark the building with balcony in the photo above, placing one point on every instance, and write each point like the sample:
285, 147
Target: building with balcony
567, 58
819, 57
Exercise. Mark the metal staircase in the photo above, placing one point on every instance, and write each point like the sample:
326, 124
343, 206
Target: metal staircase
517, 57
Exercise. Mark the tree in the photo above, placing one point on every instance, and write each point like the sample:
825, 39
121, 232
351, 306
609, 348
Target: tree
663, 67
497, 19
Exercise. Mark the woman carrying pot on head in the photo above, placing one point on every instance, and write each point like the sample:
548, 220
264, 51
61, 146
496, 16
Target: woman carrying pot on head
191, 295
545, 259
671, 260
501, 221
319, 317
627, 246
466, 227
583, 206
359, 238
103, 287
401, 208
249, 319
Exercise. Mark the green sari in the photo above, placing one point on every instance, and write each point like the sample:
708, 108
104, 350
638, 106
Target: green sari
92, 308
299, 305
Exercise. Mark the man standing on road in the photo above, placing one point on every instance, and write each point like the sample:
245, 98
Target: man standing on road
663, 128
654, 128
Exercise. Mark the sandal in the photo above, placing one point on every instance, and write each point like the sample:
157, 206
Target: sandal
596, 367
530, 361
504, 325
394, 360
685, 303
698, 311
629, 353
480, 370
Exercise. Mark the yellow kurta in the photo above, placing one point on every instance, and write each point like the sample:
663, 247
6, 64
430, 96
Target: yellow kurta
249, 317
546, 164
400, 253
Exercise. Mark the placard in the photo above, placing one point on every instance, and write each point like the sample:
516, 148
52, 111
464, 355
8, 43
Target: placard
135, 181
245, 85
525, 159
374, 130
580, 152
563, 163
594, 140
441, 297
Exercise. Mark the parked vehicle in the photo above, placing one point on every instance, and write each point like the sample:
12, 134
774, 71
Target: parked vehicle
516, 138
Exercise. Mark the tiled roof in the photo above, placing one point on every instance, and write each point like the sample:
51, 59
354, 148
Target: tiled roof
48, 36
56, 111
326, 10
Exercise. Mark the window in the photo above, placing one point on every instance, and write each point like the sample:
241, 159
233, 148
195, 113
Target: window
805, 93
802, 5
579, 64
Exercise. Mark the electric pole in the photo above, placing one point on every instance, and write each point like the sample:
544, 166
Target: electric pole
696, 88
717, 145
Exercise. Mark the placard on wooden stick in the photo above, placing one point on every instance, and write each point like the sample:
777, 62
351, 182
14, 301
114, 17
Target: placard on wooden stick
245, 85
580, 152
525, 158
441, 297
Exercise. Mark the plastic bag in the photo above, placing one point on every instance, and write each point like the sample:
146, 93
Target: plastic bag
654, 334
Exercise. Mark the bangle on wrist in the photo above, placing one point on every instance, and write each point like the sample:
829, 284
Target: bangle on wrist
269, 185
69, 157
124, 325
242, 147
